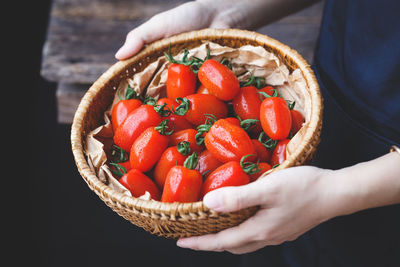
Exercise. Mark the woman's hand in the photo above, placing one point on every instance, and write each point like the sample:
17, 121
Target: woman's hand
208, 14
292, 201
186, 17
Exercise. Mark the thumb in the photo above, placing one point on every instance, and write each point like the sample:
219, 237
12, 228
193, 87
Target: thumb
235, 198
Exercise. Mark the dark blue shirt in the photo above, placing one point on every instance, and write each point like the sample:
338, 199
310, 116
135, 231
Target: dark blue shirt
357, 64
358, 60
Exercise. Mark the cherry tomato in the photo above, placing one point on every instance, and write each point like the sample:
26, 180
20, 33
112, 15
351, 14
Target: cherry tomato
275, 117
207, 163
172, 156
269, 90
119, 169
279, 153
121, 110
297, 120
218, 79
233, 120
135, 123
176, 122
228, 174
263, 154
181, 81
228, 142
188, 135
183, 183
246, 105
148, 147
264, 168
202, 90
138, 183
197, 106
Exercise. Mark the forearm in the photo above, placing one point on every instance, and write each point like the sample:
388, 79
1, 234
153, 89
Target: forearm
253, 14
366, 185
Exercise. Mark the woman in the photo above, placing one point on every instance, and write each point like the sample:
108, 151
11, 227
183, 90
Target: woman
357, 63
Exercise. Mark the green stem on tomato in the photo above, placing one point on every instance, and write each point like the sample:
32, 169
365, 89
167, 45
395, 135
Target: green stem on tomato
257, 81
269, 143
118, 154
183, 148
191, 161
184, 105
249, 167
163, 110
149, 100
226, 62
204, 128
162, 128
119, 170
248, 124
194, 63
264, 94
291, 104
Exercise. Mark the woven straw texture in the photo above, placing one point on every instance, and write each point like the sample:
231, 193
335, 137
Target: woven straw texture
175, 220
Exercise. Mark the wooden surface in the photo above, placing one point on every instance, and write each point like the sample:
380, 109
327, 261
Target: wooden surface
83, 36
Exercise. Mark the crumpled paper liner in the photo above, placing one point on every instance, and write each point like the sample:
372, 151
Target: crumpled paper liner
245, 61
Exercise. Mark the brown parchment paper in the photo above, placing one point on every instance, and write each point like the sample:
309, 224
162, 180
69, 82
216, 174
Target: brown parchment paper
245, 61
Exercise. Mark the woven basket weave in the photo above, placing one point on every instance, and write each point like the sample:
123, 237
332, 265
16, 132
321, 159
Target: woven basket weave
174, 220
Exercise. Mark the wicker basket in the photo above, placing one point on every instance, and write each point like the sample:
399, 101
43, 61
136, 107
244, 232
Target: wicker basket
174, 220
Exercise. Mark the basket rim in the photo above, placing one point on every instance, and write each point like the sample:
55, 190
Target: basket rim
193, 210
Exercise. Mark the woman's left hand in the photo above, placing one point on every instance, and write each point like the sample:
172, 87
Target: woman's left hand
292, 201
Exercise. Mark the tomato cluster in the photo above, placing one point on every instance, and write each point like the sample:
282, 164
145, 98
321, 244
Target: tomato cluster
210, 131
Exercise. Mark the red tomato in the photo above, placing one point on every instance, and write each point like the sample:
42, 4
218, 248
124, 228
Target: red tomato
181, 81
218, 79
121, 110
297, 120
233, 120
264, 168
263, 154
171, 157
147, 149
207, 163
200, 105
228, 174
135, 123
138, 183
202, 90
119, 169
228, 142
269, 90
188, 135
246, 105
279, 153
275, 117
176, 122
183, 183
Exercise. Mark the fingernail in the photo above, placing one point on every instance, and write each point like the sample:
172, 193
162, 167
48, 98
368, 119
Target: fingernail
119, 52
213, 201
181, 243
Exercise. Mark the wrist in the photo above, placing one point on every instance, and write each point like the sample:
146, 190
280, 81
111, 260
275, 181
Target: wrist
365, 185
330, 195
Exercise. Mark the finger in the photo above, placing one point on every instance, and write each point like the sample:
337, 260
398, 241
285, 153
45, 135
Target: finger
219, 24
227, 239
131, 46
145, 33
249, 247
234, 198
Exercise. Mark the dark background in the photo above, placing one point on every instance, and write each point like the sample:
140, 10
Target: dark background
68, 224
